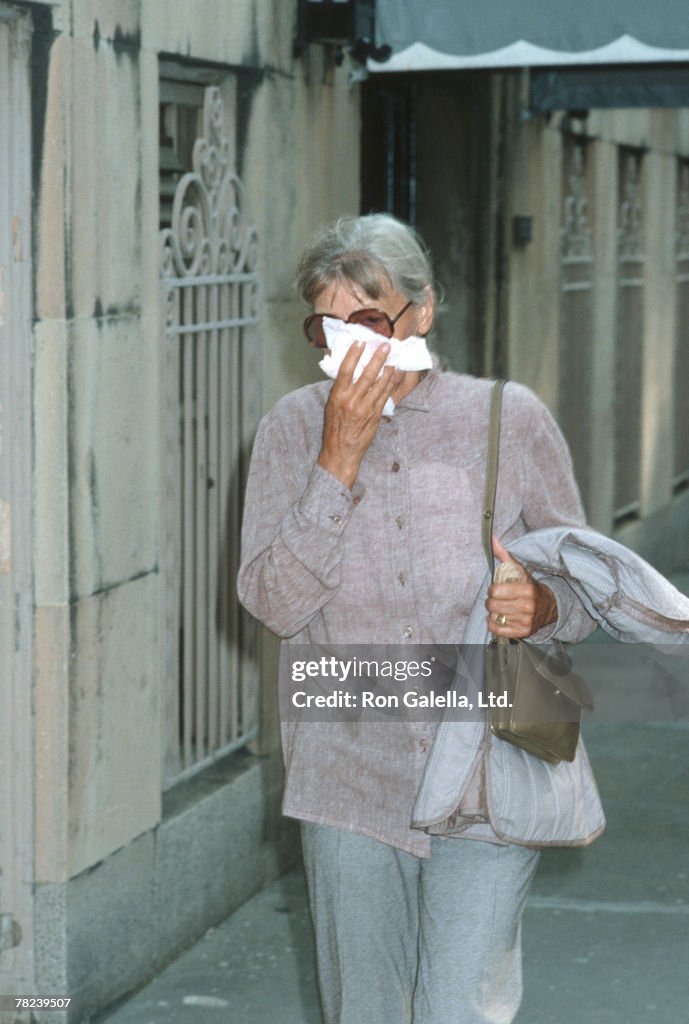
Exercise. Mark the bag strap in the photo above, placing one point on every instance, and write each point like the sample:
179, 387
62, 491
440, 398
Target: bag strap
489, 499
492, 471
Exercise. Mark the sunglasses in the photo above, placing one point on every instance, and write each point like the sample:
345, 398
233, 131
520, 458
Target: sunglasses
375, 319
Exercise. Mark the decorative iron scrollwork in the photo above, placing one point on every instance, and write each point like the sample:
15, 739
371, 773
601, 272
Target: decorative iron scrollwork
577, 241
682, 229
209, 234
630, 233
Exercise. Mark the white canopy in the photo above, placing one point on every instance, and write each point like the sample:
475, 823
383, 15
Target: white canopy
427, 35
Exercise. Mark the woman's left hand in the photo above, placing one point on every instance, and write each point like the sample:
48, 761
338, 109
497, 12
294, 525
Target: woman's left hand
518, 610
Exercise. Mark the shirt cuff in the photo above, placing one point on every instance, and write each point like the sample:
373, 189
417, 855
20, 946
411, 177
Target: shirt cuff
572, 623
327, 502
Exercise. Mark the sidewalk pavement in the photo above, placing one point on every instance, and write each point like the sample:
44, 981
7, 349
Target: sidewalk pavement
606, 930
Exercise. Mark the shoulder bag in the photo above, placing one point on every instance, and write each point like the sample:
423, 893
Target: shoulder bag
536, 699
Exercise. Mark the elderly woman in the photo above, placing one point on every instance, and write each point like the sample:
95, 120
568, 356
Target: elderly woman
363, 527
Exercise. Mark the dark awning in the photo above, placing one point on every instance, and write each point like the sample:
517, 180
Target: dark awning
591, 87
428, 35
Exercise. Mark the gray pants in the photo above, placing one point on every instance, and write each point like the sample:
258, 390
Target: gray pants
405, 940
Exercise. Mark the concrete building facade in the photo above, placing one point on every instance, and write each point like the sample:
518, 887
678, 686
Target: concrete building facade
560, 243
113, 858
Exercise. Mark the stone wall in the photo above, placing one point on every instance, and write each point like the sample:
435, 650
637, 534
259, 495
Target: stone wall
97, 473
657, 528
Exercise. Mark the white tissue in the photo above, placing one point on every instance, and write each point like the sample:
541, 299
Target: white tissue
406, 354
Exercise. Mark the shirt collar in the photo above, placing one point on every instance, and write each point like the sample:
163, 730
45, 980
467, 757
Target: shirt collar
419, 398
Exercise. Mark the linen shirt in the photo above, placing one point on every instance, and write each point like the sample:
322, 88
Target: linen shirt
396, 560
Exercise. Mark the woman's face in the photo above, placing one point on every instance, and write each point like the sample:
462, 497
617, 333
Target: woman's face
341, 300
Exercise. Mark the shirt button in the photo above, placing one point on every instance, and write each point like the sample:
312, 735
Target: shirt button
395, 467
408, 632
336, 519
356, 499
402, 578
400, 522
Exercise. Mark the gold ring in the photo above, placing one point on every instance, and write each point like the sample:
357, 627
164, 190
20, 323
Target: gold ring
501, 620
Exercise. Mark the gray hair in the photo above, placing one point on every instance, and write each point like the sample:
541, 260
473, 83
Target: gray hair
372, 253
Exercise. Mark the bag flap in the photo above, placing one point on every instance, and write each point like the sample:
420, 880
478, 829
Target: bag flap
560, 674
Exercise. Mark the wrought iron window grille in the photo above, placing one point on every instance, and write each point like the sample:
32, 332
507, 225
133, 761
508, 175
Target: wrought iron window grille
210, 287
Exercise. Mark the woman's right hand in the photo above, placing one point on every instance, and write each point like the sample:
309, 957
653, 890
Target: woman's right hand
353, 412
